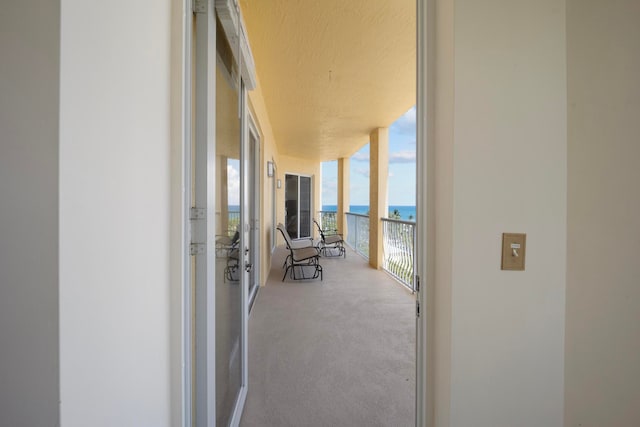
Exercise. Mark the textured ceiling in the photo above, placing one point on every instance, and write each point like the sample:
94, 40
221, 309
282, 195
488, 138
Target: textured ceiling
331, 71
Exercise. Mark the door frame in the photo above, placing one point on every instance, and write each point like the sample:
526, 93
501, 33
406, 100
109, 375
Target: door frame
425, 22
257, 207
201, 171
274, 205
186, 341
425, 209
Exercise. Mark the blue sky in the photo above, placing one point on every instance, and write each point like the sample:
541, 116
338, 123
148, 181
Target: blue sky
402, 168
233, 182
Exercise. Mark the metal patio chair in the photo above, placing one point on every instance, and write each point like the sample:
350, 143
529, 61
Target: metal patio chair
228, 247
301, 258
331, 243
300, 243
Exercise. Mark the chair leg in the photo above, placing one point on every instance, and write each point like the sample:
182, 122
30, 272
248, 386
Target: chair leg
312, 263
286, 261
327, 251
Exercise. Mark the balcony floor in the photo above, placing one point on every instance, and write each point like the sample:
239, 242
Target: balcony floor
340, 352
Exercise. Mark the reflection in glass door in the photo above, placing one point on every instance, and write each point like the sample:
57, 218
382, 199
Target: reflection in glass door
229, 208
298, 205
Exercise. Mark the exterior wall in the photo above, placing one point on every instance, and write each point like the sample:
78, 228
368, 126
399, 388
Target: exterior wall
504, 111
115, 181
268, 152
603, 342
29, 315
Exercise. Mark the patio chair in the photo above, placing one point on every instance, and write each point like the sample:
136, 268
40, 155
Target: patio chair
232, 270
300, 258
331, 243
225, 244
228, 247
303, 242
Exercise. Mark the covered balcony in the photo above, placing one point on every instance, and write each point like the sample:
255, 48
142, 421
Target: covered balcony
331, 78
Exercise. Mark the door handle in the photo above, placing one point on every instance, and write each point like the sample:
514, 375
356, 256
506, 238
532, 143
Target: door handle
248, 267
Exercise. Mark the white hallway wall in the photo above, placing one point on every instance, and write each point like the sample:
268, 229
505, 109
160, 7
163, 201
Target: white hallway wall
115, 173
603, 278
501, 136
29, 104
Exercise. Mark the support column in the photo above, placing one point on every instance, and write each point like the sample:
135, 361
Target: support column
343, 194
378, 205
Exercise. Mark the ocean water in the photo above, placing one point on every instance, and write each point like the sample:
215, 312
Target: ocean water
407, 213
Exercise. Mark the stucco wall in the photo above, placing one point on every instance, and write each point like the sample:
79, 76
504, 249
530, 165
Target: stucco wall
29, 107
603, 273
268, 152
115, 172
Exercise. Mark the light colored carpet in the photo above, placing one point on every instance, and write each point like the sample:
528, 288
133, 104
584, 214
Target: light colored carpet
340, 352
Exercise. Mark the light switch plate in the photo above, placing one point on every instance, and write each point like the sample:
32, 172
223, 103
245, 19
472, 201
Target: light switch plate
514, 247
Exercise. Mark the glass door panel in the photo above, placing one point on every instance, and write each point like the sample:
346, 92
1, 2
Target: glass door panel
305, 206
228, 290
298, 205
291, 204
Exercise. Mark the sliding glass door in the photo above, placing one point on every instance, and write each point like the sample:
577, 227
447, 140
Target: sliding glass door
298, 206
220, 228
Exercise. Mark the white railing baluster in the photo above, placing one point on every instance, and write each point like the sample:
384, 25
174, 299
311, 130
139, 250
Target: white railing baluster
398, 249
328, 221
398, 244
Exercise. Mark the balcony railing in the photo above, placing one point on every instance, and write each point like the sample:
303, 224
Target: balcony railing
328, 220
398, 249
233, 220
398, 242
358, 233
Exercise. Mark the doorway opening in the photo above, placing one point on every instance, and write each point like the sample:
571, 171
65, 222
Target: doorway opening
298, 205
224, 360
